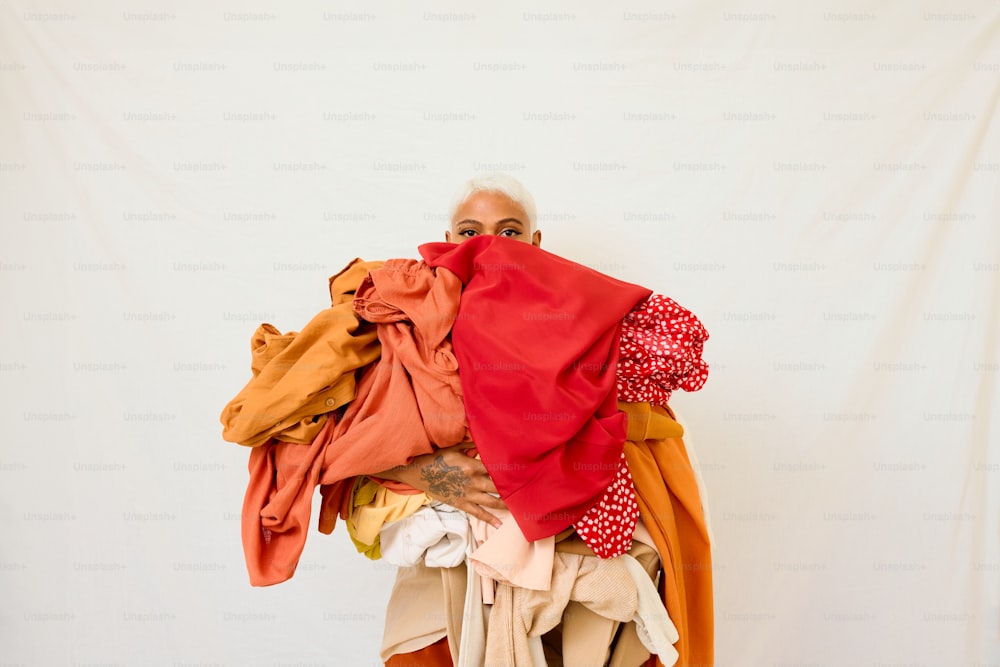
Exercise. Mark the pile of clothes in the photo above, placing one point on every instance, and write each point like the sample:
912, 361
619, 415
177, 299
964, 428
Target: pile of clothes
559, 374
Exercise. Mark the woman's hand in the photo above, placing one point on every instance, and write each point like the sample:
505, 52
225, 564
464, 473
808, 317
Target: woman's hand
454, 477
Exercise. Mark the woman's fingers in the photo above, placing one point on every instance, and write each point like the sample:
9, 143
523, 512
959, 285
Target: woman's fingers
477, 510
489, 500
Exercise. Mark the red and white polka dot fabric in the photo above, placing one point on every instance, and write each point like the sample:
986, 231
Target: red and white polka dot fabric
660, 351
607, 527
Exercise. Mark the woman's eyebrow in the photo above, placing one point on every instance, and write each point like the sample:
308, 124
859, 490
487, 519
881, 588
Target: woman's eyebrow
469, 222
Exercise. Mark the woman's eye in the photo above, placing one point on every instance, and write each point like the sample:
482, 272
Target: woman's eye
468, 233
509, 233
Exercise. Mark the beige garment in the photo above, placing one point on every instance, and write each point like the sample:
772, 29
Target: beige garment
589, 635
589, 598
418, 607
519, 614
427, 604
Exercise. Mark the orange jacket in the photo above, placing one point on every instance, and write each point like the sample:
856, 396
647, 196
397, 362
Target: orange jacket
298, 378
671, 509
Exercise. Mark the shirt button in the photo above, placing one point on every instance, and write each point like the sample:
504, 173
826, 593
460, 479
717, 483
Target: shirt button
329, 402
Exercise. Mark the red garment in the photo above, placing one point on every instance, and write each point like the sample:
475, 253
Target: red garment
661, 346
540, 335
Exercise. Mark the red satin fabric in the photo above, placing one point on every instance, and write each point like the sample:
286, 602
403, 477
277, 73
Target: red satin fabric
540, 334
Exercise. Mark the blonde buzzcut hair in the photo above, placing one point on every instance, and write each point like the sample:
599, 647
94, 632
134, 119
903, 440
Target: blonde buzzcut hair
502, 183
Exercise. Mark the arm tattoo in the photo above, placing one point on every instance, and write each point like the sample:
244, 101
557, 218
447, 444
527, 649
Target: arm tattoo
447, 482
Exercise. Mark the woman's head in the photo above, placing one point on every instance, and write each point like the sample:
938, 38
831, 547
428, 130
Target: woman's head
496, 205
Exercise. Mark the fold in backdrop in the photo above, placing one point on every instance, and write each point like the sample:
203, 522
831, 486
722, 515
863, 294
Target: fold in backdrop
818, 182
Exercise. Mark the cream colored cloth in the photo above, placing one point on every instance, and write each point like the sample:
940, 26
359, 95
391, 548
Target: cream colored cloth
652, 622
436, 535
416, 614
618, 589
427, 604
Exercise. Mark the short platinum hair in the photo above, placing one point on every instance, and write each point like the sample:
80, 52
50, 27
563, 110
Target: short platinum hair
502, 183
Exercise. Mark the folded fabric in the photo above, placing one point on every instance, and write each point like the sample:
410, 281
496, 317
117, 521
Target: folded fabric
436, 535
372, 506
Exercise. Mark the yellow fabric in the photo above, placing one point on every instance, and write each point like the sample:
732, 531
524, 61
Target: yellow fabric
298, 378
645, 424
372, 506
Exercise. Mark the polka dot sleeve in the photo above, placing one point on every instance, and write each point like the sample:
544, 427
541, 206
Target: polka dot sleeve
661, 345
660, 351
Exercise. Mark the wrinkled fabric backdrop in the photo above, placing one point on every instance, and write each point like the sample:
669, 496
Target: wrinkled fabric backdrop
818, 182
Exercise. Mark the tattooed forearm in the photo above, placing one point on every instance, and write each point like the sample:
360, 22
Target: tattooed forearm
444, 481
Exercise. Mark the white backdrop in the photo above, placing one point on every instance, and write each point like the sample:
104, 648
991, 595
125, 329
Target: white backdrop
817, 181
